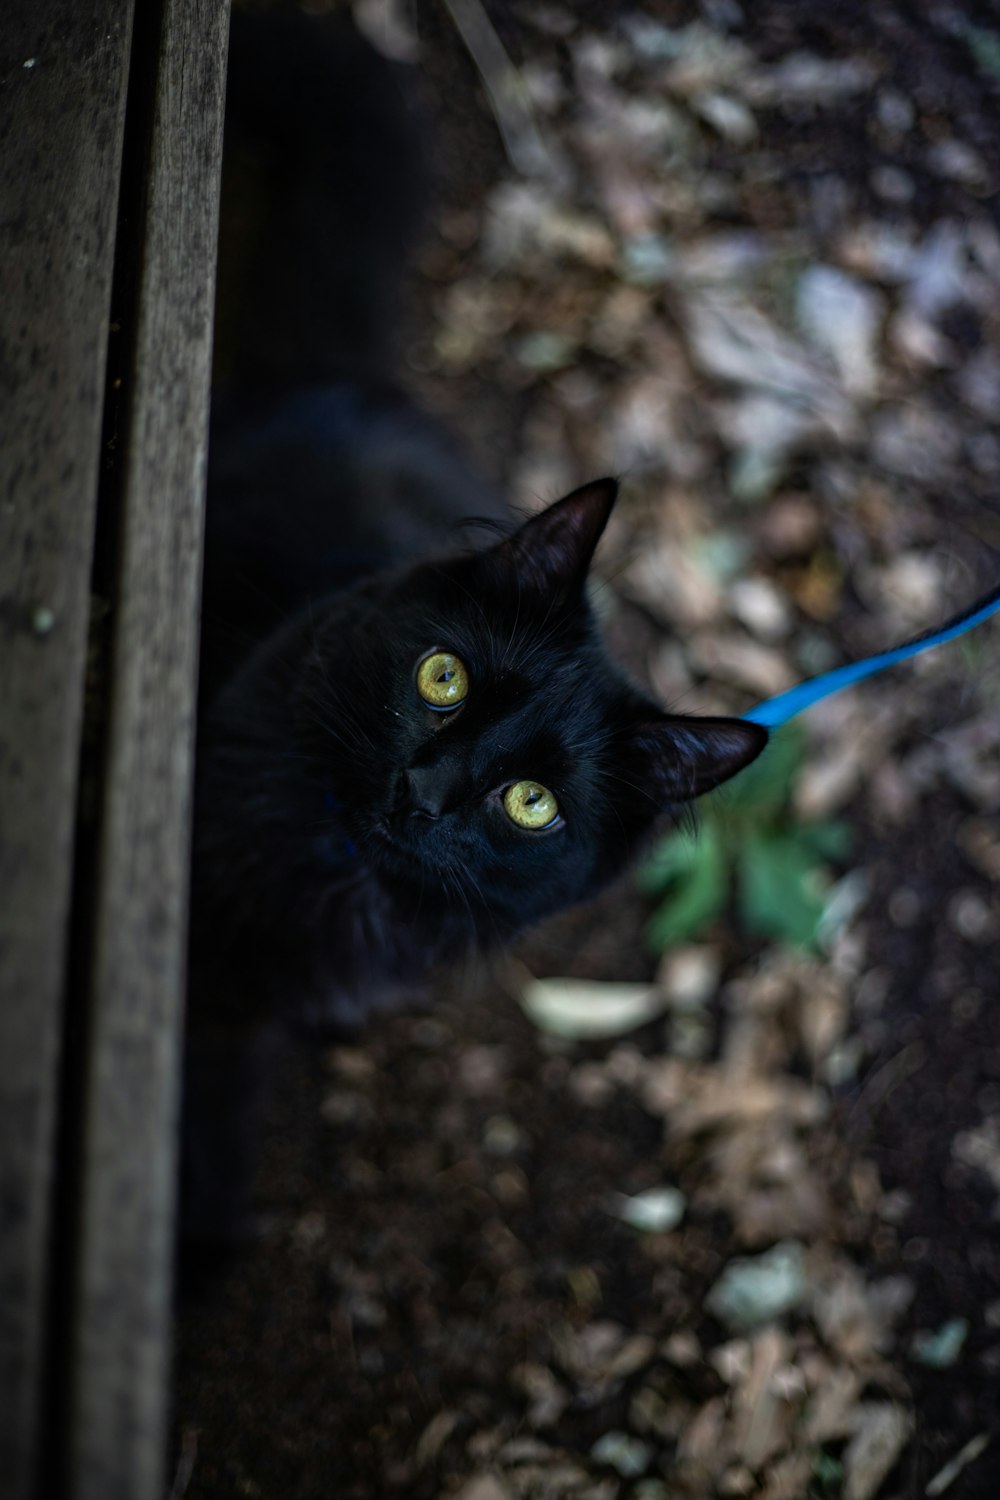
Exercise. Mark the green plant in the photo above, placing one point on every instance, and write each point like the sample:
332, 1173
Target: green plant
748, 842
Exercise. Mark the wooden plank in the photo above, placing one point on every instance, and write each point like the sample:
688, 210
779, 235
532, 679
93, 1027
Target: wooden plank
119, 1360
62, 105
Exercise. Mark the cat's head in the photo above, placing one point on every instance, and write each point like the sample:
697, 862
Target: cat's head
486, 752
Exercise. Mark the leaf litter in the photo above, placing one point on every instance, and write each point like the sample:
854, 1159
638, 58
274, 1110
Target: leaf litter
780, 351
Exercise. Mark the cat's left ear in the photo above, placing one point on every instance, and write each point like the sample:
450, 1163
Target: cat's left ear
680, 756
551, 552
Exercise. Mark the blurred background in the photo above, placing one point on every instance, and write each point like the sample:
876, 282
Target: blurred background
697, 1194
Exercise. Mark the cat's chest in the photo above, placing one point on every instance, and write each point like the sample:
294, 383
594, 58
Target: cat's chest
373, 947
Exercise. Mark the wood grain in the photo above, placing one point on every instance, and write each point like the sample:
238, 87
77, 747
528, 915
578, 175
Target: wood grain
119, 1357
119, 1370
62, 101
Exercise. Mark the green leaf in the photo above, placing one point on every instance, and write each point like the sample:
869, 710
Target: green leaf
777, 888
764, 788
748, 828
828, 1472
674, 857
699, 897
827, 840
985, 48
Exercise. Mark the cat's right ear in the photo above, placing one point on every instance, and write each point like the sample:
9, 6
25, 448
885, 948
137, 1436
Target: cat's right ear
679, 756
552, 551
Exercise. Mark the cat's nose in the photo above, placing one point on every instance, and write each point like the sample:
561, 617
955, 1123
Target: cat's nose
425, 790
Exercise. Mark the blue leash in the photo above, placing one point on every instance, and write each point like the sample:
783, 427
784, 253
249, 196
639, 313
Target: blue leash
784, 706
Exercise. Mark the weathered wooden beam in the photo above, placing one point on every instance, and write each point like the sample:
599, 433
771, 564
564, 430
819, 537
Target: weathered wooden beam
120, 1350
62, 103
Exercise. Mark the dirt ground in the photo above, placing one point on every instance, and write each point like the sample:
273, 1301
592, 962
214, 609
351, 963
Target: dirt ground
502, 1256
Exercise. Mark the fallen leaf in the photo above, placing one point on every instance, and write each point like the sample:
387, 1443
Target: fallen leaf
587, 1009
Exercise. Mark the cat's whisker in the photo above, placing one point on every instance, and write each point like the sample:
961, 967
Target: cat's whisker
458, 882
634, 786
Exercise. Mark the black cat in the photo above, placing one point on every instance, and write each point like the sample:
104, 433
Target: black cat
407, 747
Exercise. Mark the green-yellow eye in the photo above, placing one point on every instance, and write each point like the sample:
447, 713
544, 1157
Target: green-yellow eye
442, 680
529, 805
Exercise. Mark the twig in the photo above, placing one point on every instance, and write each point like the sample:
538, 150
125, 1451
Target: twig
185, 1463
946, 1477
505, 88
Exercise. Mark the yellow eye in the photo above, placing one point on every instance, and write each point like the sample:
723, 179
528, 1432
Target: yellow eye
442, 680
529, 805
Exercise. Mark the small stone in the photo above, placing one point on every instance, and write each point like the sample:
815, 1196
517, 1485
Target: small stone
940, 1350
730, 117
647, 260
502, 1136
42, 620
628, 1455
756, 473
689, 976
757, 604
542, 351
755, 1290
913, 583
655, 1211
652, 41
973, 917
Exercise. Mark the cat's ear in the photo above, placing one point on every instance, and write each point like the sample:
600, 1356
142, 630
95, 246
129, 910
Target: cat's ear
679, 757
551, 552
